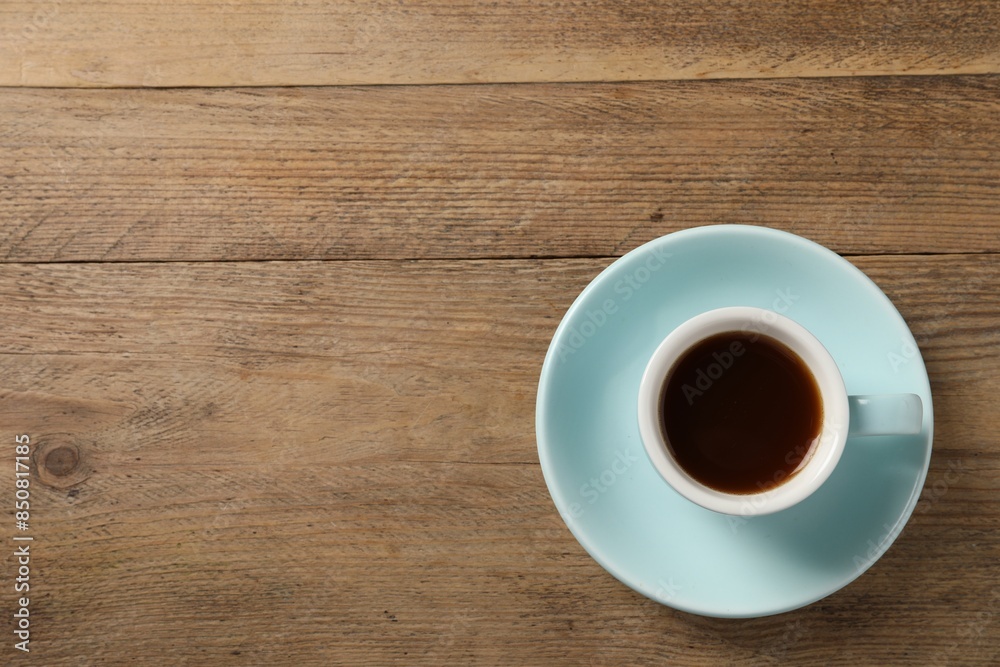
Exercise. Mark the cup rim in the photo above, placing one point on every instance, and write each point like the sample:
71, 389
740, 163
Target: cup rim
836, 413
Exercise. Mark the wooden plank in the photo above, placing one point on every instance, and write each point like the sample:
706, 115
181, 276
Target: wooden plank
321, 42
334, 463
864, 166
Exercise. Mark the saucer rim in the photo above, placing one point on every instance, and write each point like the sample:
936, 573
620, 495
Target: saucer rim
545, 380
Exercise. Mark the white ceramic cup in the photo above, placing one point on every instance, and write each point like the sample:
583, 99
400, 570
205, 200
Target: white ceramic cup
843, 415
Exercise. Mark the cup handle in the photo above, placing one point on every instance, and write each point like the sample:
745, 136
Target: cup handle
886, 414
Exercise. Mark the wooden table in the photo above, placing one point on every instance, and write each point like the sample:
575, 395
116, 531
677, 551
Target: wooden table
279, 277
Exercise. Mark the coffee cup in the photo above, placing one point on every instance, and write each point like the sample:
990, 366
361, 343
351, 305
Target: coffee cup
744, 412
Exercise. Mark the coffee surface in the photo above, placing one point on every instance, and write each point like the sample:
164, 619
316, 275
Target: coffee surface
741, 411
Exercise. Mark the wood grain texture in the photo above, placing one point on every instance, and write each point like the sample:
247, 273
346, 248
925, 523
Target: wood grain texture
321, 42
876, 165
334, 463
277, 348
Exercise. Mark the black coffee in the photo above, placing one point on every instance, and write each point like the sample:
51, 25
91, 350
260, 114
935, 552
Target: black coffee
740, 412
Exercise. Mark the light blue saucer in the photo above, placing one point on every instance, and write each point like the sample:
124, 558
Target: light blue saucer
642, 531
